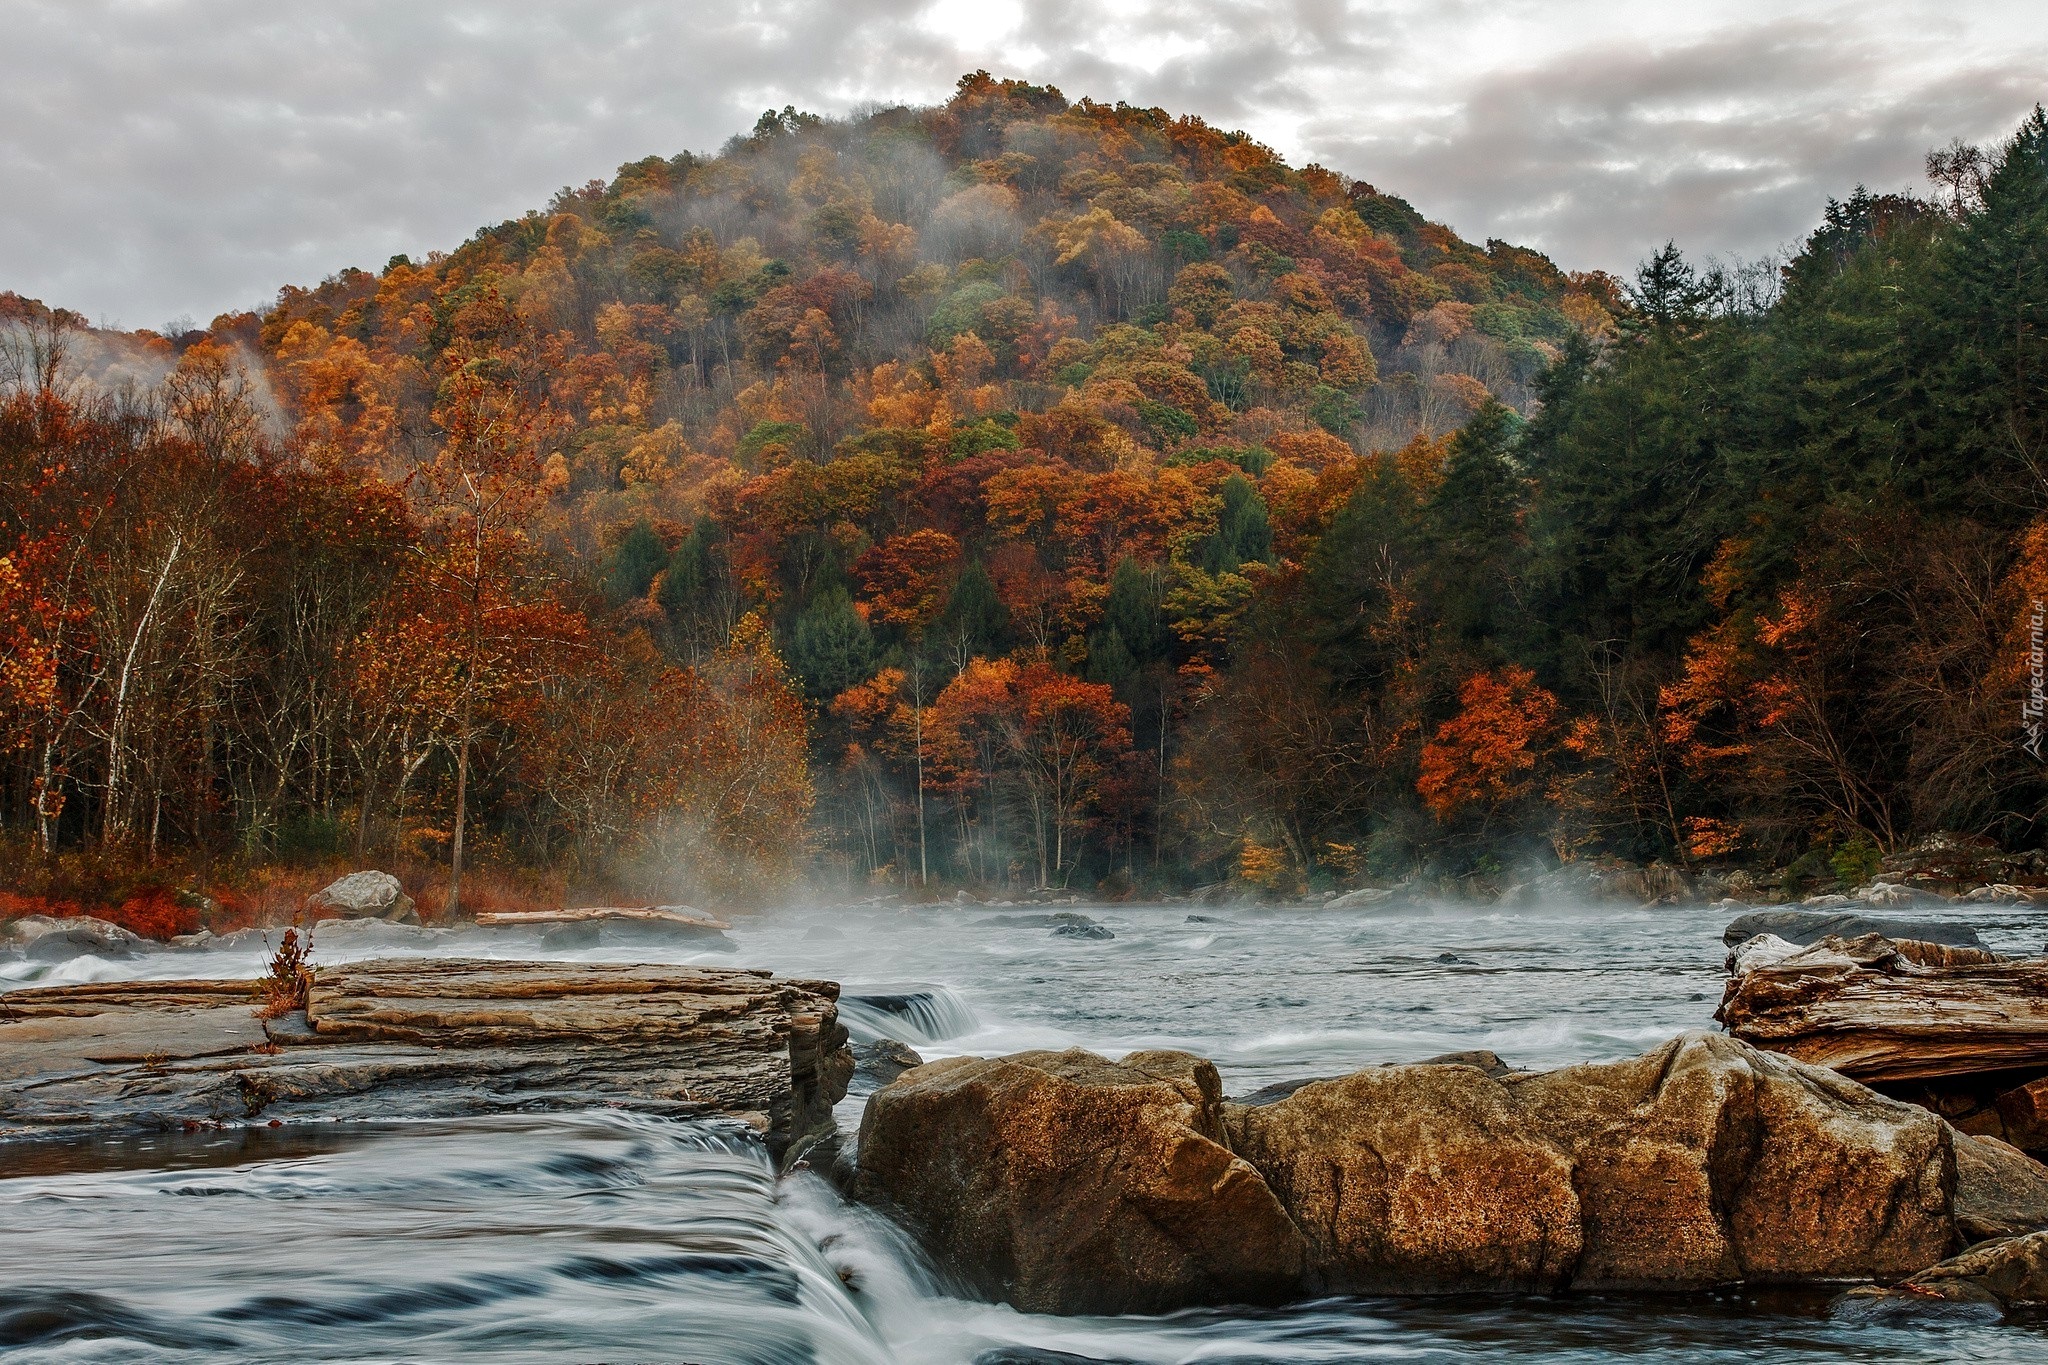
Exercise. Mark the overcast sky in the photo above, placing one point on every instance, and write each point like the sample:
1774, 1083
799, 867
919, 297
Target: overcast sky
166, 158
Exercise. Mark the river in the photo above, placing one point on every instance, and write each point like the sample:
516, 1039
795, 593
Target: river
613, 1237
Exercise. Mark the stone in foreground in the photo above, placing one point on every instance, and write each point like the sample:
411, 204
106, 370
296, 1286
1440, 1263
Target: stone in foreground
1707, 1162
1065, 1183
1416, 1179
428, 1038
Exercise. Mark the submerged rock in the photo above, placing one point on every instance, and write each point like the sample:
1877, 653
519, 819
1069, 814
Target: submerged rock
1356, 900
1064, 1183
1088, 930
589, 926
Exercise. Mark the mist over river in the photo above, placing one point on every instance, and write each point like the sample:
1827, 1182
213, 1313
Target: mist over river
611, 1236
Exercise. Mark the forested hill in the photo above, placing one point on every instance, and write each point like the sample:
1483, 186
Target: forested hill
1024, 492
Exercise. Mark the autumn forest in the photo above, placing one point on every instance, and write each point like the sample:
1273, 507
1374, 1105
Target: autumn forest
1025, 493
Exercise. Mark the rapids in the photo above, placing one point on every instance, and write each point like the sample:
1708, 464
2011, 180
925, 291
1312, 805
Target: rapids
609, 1236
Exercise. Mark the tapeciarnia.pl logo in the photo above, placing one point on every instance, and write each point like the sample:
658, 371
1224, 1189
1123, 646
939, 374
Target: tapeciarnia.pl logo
2037, 664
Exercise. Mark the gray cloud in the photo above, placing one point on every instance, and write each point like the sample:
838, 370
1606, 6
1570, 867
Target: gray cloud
165, 157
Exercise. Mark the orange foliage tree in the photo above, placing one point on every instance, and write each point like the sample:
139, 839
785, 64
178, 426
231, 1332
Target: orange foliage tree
1485, 758
1045, 737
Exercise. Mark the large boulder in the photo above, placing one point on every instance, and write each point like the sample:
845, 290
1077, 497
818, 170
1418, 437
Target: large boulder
1063, 1183
365, 895
1708, 1161
1416, 1179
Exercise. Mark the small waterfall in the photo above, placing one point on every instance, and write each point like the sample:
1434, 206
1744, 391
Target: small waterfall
909, 1014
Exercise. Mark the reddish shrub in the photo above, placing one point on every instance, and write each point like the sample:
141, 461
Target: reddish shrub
155, 913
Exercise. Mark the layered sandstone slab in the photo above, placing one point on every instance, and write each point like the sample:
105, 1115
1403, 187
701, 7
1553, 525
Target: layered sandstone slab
427, 1038
1879, 1010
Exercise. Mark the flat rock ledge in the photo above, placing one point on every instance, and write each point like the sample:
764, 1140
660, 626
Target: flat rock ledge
1061, 1182
426, 1038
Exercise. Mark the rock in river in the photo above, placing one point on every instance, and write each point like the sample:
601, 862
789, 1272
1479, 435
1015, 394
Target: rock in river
1810, 926
1999, 1275
1062, 1182
43, 939
428, 1037
1884, 1011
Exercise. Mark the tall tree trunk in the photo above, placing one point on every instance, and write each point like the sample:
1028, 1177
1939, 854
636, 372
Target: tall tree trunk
113, 826
924, 875
461, 811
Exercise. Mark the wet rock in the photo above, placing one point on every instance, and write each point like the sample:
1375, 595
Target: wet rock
1708, 1161
1063, 1183
2000, 1190
1999, 1274
927, 1013
365, 895
1702, 1163
1358, 900
881, 1061
428, 1038
1088, 930
1416, 1179
1208, 919
1807, 926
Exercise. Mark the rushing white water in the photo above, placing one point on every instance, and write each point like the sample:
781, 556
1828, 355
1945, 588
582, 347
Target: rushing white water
614, 1237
